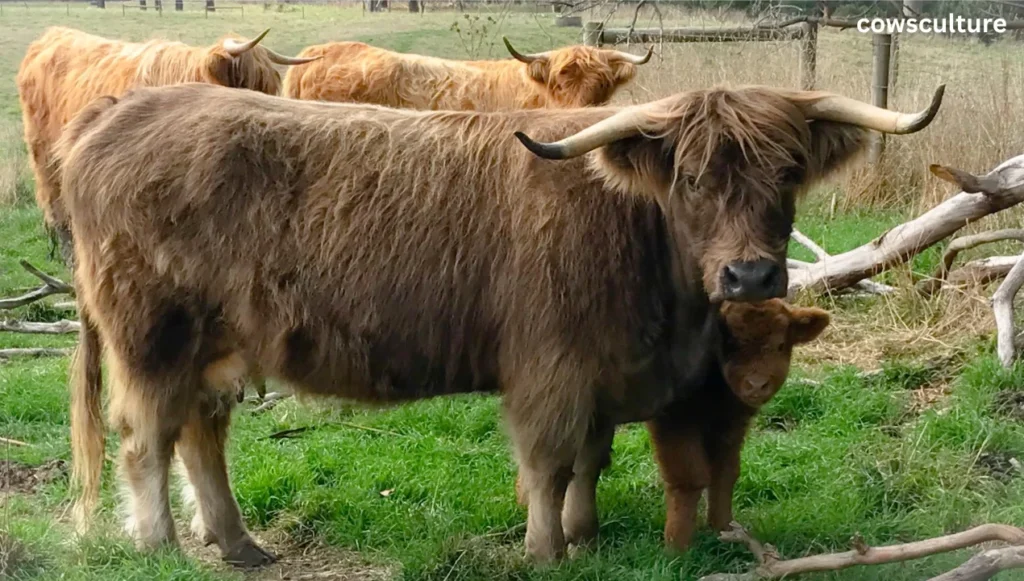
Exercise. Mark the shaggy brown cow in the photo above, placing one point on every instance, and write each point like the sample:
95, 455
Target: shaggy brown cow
573, 76
65, 69
697, 440
217, 229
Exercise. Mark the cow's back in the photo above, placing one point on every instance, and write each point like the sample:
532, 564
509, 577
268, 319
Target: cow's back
406, 252
355, 72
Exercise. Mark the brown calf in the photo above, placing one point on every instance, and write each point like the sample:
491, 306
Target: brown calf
697, 442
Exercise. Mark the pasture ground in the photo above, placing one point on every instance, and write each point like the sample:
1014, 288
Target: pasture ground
899, 424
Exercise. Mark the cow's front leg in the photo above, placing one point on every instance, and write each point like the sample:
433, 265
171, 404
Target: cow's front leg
579, 515
681, 458
217, 519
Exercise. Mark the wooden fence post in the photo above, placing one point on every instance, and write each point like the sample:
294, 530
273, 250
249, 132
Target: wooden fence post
808, 55
592, 33
159, 4
894, 64
882, 49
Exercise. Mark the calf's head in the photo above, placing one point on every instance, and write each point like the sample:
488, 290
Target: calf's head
726, 167
758, 341
578, 76
245, 64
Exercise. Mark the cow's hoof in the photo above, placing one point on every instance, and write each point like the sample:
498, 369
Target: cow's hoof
200, 532
246, 554
582, 531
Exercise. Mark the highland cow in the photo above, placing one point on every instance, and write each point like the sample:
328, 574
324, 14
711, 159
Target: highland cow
216, 230
65, 69
573, 76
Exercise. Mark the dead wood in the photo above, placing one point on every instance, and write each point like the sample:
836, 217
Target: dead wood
958, 245
771, 566
33, 352
59, 328
981, 196
51, 286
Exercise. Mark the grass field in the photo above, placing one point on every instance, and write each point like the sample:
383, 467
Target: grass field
898, 424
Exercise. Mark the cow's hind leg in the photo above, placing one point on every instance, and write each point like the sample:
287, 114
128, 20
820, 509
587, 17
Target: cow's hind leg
149, 426
202, 450
579, 515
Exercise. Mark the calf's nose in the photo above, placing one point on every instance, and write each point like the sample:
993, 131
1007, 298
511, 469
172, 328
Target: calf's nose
753, 280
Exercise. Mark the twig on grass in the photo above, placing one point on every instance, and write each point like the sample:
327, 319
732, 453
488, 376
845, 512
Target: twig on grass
13, 442
771, 566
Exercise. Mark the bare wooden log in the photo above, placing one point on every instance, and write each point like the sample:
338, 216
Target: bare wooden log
770, 566
655, 35
986, 565
51, 286
867, 286
961, 244
982, 271
33, 352
59, 328
1001, 188
1002, 309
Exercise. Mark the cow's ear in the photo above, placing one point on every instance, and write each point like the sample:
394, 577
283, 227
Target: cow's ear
832, 146
539, 70
806, 323
218, 69
623, 72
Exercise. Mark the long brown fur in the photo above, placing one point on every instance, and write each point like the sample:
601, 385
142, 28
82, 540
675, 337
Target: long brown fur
391, 255
65, 69
697, 440
573, 76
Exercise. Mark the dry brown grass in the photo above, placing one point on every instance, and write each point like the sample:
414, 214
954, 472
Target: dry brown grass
13, 164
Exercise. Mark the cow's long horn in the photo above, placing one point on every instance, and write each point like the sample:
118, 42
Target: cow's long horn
854, 112
289, 60
525, 58
235, 48
625, 123
635, 59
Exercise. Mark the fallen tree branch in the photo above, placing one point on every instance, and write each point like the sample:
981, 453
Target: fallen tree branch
866, 285
982, 271
33, 352
59, 328
770, 566
981, 196
985, 565
958, 245
51, 286
1002, 309
13, 442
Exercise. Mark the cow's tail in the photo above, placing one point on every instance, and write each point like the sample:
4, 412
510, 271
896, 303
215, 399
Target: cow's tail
87, 429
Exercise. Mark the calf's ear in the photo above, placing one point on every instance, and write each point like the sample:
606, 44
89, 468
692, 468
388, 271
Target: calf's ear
806, 323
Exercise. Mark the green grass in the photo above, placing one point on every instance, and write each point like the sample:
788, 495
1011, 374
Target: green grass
828, 459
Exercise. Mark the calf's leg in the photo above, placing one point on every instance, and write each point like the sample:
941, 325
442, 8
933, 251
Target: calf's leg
202, 450
679, 452
579, 515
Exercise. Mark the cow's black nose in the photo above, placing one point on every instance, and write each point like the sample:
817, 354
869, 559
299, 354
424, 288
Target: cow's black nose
754, 280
